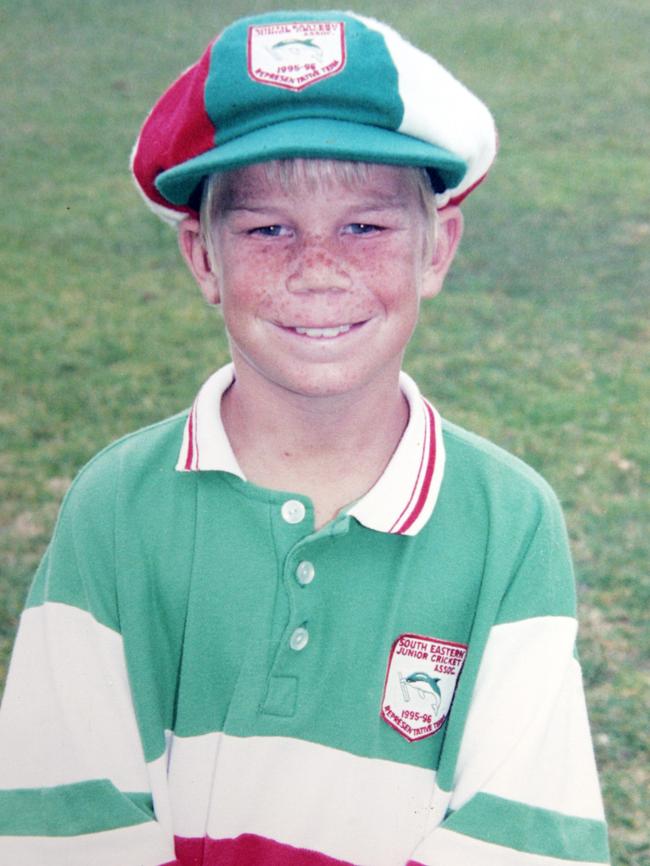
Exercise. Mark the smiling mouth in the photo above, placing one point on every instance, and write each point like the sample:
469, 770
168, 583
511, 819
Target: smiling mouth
323, 333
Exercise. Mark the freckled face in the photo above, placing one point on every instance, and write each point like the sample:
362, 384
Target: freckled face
320, 288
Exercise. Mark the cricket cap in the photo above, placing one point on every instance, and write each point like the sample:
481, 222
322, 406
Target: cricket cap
318, 84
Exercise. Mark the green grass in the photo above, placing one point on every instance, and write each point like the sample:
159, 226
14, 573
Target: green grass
539, 341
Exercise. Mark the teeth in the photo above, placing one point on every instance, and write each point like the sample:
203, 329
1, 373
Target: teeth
323, 332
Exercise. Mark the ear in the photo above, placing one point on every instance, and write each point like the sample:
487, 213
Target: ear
196, 256
450, 231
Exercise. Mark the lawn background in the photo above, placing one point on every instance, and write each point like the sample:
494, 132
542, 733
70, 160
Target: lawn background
539, 341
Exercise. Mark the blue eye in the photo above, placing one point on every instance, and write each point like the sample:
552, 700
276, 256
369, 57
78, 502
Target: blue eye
362, 228
272, 231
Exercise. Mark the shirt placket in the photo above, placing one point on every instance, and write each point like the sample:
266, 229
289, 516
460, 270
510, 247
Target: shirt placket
292, 665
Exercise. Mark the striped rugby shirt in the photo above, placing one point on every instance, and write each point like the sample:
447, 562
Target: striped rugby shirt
201, 678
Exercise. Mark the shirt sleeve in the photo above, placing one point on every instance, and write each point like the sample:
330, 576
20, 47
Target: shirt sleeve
74, 784
525, 790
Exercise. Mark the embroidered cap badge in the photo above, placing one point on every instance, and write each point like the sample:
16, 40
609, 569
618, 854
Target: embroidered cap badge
295, 54
420, 684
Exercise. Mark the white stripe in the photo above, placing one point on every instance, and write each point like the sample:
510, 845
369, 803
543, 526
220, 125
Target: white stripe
142, 845
368, 811
454, 849
454, 118
191, 770
157, 772
67, 711
527, 733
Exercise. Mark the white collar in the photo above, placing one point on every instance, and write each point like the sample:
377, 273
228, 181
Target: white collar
401, 501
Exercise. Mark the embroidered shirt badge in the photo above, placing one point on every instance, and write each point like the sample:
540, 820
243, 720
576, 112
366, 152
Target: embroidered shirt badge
295, 54
420, 684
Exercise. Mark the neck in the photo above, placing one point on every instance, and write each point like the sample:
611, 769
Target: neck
330, 448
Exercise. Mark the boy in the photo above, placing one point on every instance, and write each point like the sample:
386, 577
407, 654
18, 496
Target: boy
308, 622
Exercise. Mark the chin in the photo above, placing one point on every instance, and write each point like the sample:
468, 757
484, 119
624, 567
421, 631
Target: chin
328, 383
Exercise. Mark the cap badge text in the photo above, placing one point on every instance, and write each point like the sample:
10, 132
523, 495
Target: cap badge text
292, 55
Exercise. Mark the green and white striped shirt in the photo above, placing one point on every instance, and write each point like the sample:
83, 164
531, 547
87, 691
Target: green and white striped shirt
201, 678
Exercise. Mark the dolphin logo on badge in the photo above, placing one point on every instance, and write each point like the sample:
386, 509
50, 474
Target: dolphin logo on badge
432, 682
291, 49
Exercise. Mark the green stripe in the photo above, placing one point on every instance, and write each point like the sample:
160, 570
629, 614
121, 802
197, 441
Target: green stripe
71, 810
535, 831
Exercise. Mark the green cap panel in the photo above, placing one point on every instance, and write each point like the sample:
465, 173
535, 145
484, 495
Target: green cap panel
237, 104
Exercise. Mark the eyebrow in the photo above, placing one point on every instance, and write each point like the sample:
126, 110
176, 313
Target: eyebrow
248, 205
388, 203
375, 205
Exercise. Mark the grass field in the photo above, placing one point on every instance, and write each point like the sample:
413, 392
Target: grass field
539, 341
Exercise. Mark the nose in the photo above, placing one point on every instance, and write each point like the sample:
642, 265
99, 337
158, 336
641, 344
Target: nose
317, 268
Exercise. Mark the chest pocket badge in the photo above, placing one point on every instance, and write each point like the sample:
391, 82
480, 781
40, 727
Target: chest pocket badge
420, 684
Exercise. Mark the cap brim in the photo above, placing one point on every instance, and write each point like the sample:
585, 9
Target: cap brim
316, 138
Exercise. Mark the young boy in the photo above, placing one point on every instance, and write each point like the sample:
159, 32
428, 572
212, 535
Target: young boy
307, 622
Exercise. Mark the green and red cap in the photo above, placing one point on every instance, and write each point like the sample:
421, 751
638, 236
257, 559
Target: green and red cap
321, 85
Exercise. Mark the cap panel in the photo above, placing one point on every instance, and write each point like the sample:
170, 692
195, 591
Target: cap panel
238, 104
176, 130
437, 107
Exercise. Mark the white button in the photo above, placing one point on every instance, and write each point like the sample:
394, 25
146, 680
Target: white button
299, 639
293, 511
305, 572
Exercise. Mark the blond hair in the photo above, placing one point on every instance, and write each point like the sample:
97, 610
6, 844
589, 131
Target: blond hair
315, 174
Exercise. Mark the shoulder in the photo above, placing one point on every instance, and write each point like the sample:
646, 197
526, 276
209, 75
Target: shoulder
517, 517
146, 454
109, 493
478, 467
142, 446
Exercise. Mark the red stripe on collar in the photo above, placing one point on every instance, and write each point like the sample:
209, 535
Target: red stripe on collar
191, 423
429, 458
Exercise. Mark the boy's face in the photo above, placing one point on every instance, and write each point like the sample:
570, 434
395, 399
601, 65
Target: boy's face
320, 288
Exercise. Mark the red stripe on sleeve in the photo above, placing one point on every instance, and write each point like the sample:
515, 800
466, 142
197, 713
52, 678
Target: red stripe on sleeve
248, 850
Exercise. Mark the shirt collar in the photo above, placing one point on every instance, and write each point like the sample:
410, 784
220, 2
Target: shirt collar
401, 501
